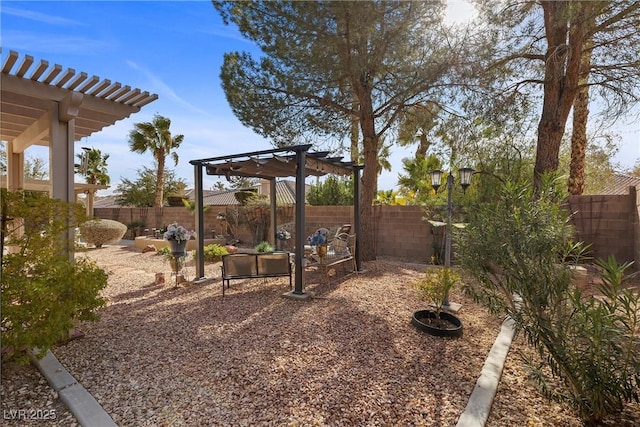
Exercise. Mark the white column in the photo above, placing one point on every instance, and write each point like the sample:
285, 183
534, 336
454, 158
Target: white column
15, 168
61, 145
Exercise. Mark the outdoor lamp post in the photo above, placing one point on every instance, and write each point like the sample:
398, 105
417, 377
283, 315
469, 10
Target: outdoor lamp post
465, 181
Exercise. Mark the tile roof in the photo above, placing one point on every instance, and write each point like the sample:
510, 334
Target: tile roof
285, 195
105, 202
619, 184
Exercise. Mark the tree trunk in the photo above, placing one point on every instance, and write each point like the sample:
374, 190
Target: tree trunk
581, 115
423, 146
579, 135
355, 133
158, 202
564, 36
370, 173
369, 178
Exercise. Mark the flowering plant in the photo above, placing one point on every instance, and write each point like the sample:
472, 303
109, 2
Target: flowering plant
318, 238
283, 235
177, 232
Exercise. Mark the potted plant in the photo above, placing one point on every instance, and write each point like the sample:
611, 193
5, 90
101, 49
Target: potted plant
177, 236
282, 236
263, 247
434, 288
176, 262
319, 240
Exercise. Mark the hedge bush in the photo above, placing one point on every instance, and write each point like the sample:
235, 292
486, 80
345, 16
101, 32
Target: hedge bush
100, 231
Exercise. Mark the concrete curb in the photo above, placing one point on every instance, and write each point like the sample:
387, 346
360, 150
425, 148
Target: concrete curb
80, 402
479, 405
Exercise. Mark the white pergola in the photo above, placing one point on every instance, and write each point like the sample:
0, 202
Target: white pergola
44, 105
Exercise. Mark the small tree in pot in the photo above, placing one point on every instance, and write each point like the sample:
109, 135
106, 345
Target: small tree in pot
434, 288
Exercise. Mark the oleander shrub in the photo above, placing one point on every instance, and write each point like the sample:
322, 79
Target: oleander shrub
519, 251
100, 231
43, 291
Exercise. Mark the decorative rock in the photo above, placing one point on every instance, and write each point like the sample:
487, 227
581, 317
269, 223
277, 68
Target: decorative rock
159, 278
231, 249
149, 248
75, 334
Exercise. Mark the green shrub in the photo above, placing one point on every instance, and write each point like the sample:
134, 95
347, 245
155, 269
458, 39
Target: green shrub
213, 252
43, 292
519, 250
164, 251
135, 227
100, 231
264, 247
434, 287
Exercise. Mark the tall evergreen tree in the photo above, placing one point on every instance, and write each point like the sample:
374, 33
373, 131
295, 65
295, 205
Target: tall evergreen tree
141, 193
326, 64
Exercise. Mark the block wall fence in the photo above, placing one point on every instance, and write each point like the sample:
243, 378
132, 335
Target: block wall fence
610, 224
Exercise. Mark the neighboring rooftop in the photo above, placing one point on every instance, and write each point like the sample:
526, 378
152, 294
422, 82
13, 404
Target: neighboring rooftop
619, 184
285, 195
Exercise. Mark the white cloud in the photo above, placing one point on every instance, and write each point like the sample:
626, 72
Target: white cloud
54, 43
164, 89
40, 17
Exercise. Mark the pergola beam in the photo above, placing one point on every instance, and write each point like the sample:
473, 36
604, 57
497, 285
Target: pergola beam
32, 134
46, 107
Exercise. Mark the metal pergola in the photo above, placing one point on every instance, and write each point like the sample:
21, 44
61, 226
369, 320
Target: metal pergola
271, 164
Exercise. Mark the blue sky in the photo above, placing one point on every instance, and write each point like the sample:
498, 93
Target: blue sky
174, 49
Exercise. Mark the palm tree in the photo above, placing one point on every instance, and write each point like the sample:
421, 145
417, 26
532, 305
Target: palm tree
156, 137
415, 185
92, 164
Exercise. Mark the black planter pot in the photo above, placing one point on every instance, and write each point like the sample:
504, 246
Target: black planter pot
453, 329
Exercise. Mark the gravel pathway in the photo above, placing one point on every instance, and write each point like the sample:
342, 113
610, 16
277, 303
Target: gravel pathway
171, 356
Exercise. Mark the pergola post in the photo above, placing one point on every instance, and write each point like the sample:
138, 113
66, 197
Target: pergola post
300, 218
199, 212
90, 197
15, 168
273, 215
61, 167
356, 212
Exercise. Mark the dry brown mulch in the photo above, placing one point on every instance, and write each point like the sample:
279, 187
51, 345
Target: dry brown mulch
166, 355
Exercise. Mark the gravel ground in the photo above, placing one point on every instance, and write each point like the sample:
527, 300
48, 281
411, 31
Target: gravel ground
163, 355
